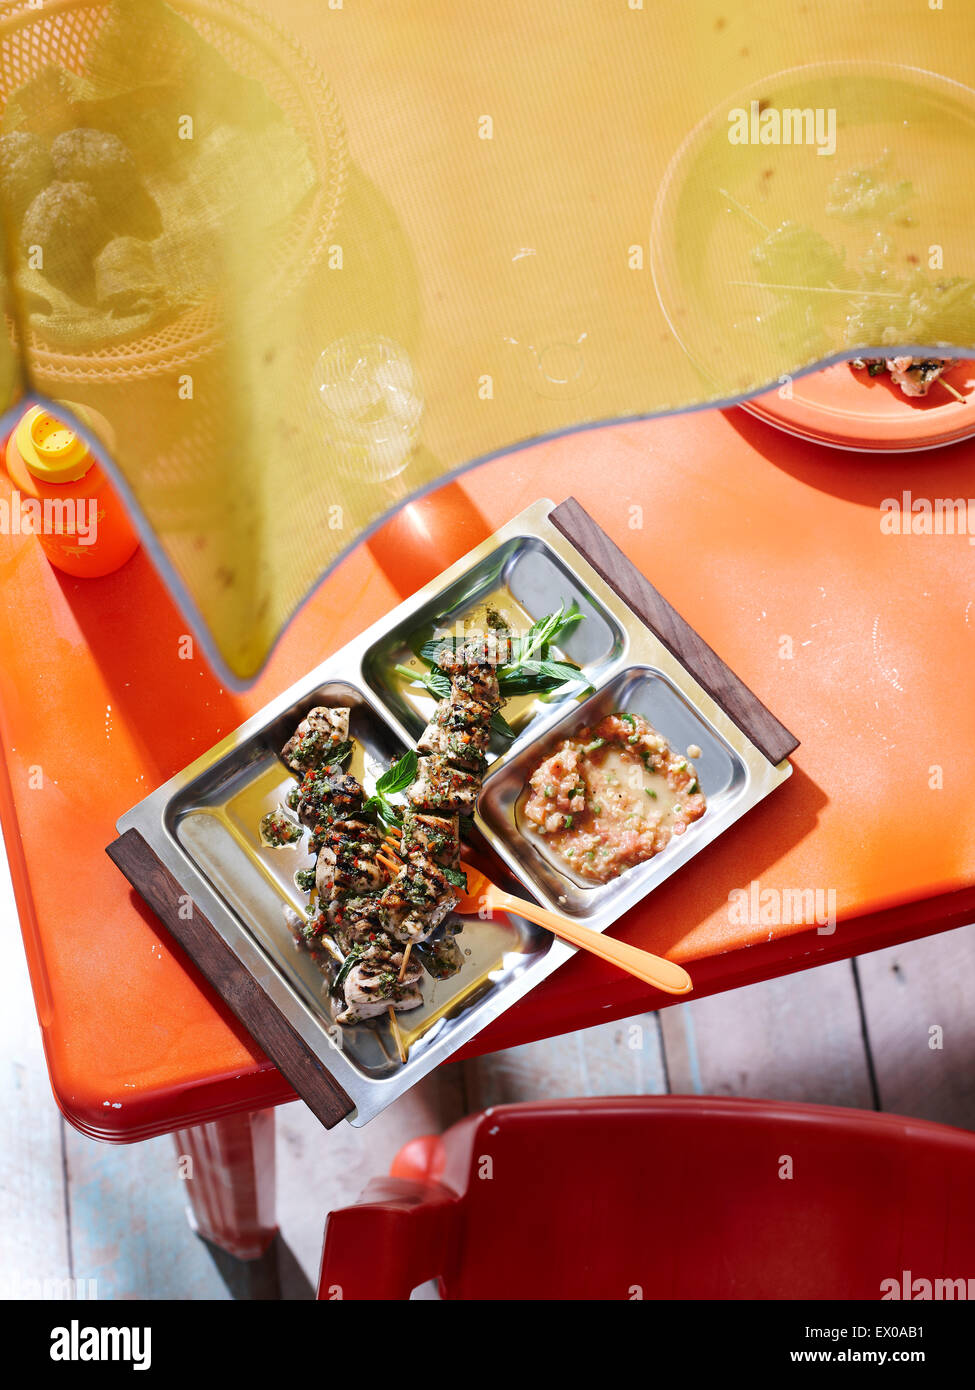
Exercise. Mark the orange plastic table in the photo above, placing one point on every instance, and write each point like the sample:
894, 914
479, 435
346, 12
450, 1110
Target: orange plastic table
863, 643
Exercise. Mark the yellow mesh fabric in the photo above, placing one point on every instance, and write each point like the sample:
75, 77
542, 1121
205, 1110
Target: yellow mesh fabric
308, 256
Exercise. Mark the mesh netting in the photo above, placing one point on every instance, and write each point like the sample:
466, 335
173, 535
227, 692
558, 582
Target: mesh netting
544, 215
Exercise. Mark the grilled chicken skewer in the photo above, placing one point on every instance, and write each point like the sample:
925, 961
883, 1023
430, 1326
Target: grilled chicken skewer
914, 375
453, 750
348, 874
374, 984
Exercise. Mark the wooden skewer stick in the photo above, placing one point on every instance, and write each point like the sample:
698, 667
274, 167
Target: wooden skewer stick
756, 284
406, 958
957, 394
397, 1035
745, 212
817, 289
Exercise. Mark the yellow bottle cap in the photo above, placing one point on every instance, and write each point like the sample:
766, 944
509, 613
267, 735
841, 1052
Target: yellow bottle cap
52, 451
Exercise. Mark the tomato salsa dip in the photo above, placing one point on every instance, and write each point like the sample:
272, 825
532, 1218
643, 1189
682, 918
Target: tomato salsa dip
612, 796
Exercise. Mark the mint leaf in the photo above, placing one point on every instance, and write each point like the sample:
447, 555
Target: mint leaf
540, 678
395, 779
543, 633
338, 754
383, 810
401, 775
433, 650
434, 680
355, 953
558, 670
529, 683
501, 726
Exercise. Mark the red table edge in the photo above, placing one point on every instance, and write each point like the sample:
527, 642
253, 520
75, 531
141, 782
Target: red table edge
215, 1098
750, 965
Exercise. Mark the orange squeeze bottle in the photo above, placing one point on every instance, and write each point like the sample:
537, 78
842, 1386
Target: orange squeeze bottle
62, 496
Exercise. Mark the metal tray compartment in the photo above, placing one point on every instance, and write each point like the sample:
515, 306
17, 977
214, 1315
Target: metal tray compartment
638, 690
522, 580
216, 819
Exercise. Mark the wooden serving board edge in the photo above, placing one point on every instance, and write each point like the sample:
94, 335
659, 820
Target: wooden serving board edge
742, 706
242, 994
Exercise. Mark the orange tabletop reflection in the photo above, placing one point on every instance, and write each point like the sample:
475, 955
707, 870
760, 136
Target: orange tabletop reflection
862, 642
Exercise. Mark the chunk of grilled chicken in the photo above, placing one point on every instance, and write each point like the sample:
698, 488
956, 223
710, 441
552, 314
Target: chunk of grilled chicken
354, 908
428, 837
319, 731
338, 874
347, 859
479, 682
457, 731
352, 933
361, 834
417, 901
472, 669
491, 648
916, 375
328, 793
471, 712
373, 985
443, 788
409, 997
353, 921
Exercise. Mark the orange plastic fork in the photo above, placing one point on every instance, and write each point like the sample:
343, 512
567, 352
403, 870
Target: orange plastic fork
483, 896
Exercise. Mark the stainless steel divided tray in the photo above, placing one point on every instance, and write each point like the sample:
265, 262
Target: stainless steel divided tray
193, 849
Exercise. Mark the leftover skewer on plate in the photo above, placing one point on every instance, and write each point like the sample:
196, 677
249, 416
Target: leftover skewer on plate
914, 375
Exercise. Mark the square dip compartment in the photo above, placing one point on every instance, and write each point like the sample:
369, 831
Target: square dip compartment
524, 579
640, 690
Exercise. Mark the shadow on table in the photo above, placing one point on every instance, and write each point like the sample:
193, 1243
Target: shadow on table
700, 888
697, 892
426, 536
861, 477
277, 1275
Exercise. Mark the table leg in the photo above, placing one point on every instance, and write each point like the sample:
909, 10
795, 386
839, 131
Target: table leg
228, 1168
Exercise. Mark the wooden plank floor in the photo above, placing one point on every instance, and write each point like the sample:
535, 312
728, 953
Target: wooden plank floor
891, 1031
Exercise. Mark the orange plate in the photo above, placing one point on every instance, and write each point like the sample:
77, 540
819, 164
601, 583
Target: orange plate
849, 409
863, 643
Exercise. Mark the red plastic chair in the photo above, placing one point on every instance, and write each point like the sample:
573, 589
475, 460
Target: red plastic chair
663, 1198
